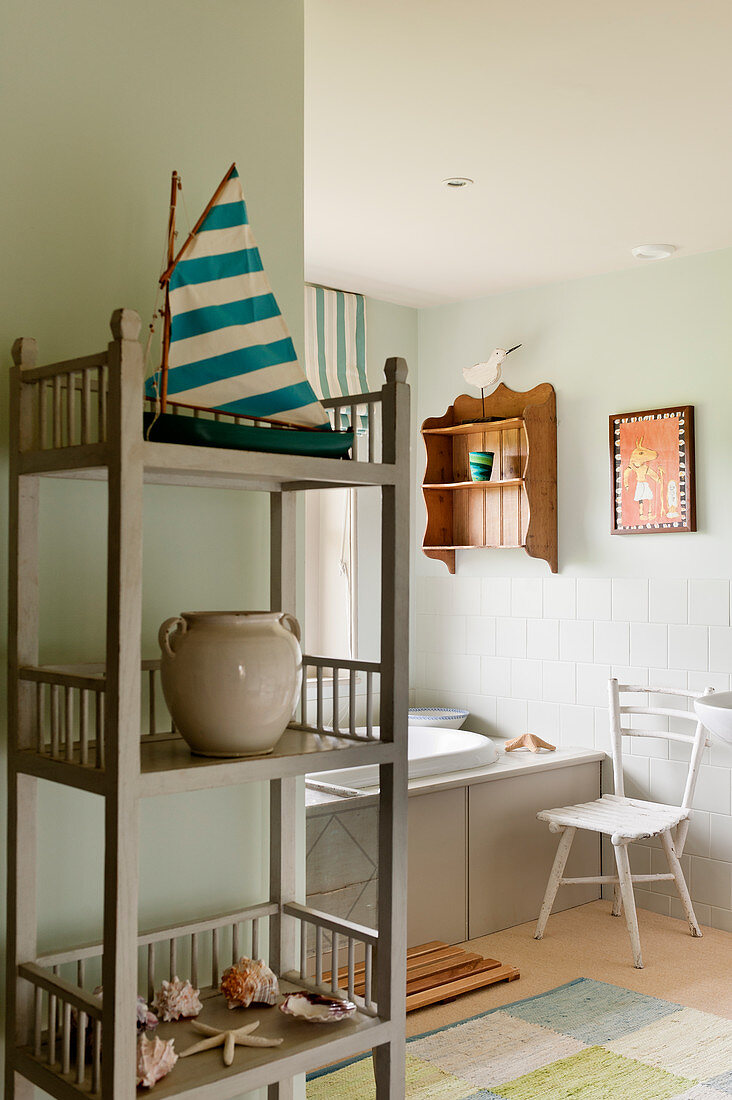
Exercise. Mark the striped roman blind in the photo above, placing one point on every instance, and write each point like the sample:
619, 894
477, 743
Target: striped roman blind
335, 342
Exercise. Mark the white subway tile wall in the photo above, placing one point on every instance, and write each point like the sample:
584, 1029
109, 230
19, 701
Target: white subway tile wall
525, 654
511, 638
542, 639
594, 598
669, 601
630, 600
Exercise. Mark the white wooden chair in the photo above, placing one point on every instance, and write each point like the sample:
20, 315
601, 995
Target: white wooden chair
627, 819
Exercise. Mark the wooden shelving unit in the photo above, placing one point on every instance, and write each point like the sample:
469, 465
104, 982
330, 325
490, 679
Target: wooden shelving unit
518, 506
79, 725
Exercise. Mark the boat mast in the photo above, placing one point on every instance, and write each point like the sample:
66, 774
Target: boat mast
173, 261
175, 186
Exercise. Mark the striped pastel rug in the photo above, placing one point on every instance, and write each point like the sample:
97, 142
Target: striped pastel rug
585, 1040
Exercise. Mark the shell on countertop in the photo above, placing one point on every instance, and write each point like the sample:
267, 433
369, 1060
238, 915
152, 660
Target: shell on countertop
249, 981
177, 1000
317, 1009
155, 1059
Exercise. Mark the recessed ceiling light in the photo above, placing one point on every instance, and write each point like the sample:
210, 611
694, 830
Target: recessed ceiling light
458, 181
653, 251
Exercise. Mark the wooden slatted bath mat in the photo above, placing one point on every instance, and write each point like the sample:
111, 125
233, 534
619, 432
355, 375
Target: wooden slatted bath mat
437, 972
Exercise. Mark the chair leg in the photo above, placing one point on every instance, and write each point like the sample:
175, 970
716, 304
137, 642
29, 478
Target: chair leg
675, 868
617, 901
626, 890
555, 878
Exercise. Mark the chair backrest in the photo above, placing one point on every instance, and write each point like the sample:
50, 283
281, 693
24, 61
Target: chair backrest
697, 739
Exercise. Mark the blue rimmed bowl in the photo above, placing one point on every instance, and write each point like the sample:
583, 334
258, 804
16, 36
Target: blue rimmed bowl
451, 717
481, 465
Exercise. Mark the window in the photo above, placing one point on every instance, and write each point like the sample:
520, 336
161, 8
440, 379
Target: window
335, 363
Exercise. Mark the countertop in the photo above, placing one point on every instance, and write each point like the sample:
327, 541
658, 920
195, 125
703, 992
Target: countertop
508, 765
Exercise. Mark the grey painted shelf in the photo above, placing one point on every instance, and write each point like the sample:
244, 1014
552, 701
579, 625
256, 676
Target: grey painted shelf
80, 725
205, 1077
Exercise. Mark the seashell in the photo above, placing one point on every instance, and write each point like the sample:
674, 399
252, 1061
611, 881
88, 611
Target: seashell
155, 1059
146, 1020
177, 1000
317, 1009
248, 981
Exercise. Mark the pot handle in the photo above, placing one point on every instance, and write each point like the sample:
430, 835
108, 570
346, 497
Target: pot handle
165, 632
291, 622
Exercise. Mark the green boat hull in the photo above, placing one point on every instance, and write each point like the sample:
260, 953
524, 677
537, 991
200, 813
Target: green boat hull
196, 432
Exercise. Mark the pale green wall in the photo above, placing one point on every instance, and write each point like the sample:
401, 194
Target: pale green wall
639, 339
654, 336
102, 101
392, 330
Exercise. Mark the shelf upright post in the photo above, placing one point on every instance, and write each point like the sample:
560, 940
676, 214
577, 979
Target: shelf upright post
391, 977
283, 944
122, 714
23, 624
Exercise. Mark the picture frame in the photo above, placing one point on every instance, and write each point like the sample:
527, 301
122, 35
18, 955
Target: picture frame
652, 471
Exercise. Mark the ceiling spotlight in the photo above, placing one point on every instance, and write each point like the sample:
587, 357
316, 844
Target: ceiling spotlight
458, 181
653, 251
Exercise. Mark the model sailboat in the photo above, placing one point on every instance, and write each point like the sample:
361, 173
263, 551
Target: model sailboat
226, 347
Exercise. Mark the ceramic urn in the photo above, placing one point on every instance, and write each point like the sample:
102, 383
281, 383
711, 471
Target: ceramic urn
231, 679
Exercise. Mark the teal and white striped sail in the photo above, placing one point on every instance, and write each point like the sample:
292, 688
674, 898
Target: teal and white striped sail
230, 349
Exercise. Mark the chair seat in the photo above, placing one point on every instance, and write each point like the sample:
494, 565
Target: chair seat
625, 818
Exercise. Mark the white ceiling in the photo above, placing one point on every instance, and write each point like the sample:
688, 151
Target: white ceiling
588, 127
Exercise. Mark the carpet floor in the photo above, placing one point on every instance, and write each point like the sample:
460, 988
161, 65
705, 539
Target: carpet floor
588, 942
587, 1039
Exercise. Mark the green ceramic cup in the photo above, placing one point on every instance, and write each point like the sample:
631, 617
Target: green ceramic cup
481, 465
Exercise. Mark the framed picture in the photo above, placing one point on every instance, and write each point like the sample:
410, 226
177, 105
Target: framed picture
652, 467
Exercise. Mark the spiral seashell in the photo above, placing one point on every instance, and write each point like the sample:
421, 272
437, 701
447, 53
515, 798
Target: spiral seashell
155, 1059
248, 981
177, 1000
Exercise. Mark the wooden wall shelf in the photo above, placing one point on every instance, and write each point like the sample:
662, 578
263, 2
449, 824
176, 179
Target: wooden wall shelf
519, 507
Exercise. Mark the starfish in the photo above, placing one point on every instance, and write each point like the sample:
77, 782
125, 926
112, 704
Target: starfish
528, 741
230, 1040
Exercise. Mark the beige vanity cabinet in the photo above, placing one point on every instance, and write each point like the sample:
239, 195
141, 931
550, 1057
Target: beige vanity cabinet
437, 884
510, 853
478, 860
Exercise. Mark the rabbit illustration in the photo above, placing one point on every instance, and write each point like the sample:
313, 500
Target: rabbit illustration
640, 464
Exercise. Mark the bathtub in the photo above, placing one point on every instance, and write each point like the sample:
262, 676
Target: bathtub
431, 751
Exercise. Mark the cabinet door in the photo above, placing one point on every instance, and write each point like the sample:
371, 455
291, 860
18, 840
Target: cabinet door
437, 887
510, 853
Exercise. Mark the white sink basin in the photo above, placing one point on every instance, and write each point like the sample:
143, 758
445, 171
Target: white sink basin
715, 712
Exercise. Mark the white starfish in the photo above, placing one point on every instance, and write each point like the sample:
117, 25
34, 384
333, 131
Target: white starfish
230, 1040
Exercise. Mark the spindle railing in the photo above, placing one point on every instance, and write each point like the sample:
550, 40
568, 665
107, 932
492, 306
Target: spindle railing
358, 724
63, 1010
362, 413
67, 1027
66, 1019
68, 714
68, 402
358, 942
